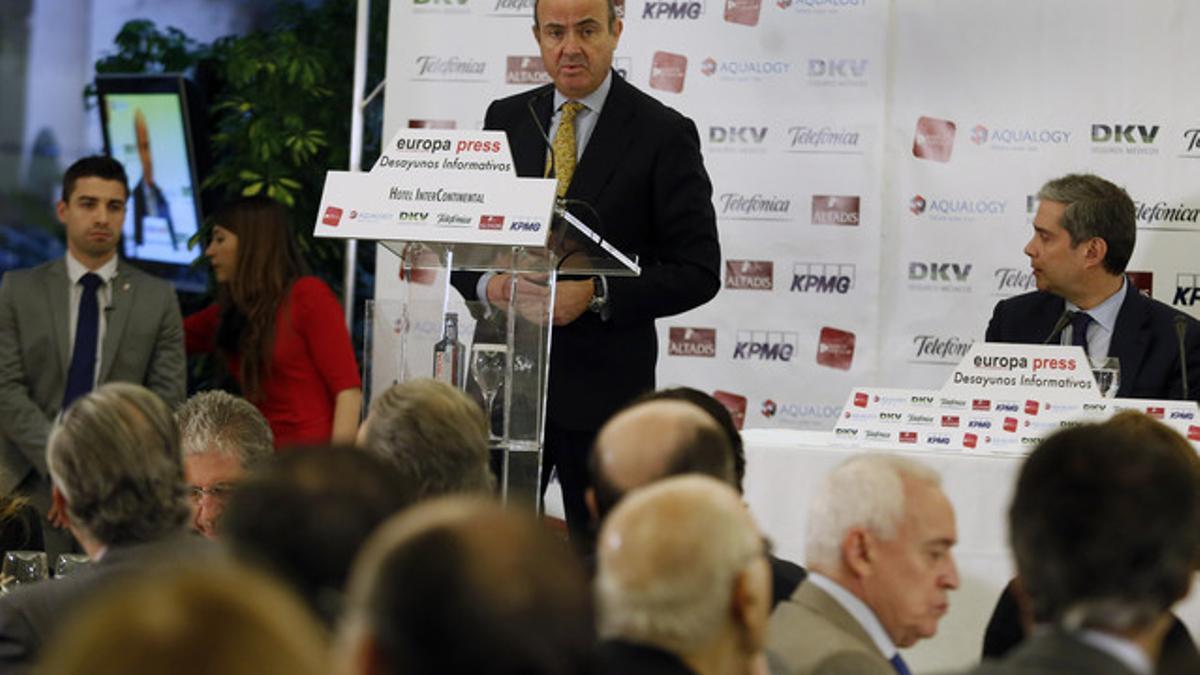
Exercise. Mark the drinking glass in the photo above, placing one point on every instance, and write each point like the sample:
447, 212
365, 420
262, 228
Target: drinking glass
67, 564
23, 567
487, 368
1107, 370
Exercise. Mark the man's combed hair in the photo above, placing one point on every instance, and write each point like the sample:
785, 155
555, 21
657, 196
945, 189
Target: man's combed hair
216, 421
1096, 208
95, 166
612, 14
1105, 526
115, 457
435, 435
865, 491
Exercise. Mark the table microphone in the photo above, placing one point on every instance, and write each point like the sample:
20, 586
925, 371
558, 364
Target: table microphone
1059, 325
1180, 334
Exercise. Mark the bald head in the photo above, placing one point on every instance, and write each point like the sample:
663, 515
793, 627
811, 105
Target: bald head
677, 562
653, 440
460, 584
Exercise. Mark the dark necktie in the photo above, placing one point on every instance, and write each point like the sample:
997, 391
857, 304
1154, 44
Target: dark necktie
81, 376
899, 664
1079, 326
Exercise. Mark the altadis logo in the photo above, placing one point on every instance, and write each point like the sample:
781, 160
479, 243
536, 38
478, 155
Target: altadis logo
836, 210
756, 275
692, 342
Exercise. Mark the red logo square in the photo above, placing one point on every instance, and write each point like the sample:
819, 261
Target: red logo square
860, 399
1156, 413
908, 437
1193, 432
735, 404
1031, 407
667, 71
1010, 424
950, 420
934, 139
332, 217
744, 12
981, 404
835, 349
970, 440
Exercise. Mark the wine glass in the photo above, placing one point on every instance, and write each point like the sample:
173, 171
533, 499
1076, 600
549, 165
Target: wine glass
67, 564
1107, 370
487, 368
23, 567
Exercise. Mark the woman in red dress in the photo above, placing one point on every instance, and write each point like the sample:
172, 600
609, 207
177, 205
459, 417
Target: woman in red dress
281, 333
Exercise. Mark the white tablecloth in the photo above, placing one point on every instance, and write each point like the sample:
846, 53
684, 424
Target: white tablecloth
783, 468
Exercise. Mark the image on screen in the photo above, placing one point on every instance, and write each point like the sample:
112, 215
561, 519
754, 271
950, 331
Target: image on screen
146, 134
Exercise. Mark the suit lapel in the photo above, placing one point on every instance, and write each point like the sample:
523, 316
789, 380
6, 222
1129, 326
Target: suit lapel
811, 596
116, 316
606, 146
58, 300
1130, 338
527, 142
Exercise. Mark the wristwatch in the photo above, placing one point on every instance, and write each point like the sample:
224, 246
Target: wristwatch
599, 302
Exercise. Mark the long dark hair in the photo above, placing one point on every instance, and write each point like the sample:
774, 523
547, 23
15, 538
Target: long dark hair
268, 263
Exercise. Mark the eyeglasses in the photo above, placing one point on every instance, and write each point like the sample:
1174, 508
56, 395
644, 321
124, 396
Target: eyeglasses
218, 491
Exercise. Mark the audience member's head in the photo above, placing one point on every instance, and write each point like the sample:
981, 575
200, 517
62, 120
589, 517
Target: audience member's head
652, 440
720, 415
434, 434
223, 437
459, 585
191, 622
880, 527
304, 515
116, 468
1105, 525
682, 567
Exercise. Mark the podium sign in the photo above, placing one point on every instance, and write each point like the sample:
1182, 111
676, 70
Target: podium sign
1025, 370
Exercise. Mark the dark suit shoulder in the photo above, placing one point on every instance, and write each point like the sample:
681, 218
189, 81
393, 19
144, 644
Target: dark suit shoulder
33, 275
1025, 318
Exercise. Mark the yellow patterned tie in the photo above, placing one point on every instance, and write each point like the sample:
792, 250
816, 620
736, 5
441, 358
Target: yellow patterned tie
564, 146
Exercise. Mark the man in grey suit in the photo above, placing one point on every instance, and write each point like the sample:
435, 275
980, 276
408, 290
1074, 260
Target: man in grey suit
79, 321
878, 549
117, 471
1105, 530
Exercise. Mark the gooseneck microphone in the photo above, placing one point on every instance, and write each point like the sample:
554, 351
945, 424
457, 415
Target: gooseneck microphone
537, 122
1059, 325
1181, 327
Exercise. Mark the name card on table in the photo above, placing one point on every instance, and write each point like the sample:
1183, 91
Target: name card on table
439, 185
1017, 371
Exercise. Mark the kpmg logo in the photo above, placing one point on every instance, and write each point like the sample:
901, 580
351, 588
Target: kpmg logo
1124, 139
757, 206
939, 276
525, 225
525, 70
1163, 215
513, 8
672, 9
743, 12
753, 275
820, 6
1014, 280
823, 140
431, 68
744, 70
818, 278
1187, 289
835, 210
956, 209
1018, 139
667, 72
765, 345
939, 349
837, 72
933, 139
692, 342
835, 348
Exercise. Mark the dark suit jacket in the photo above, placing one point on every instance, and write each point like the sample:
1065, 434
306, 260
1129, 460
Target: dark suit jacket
30, 614
1143, 339
1054, 652
618, 657
143, 344
643, 174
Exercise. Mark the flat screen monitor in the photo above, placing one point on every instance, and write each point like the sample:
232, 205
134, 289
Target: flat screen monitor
148, 127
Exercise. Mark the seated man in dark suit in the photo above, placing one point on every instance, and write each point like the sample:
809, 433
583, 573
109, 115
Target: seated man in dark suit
1083, 237
683, 585
1105, 530
117, 475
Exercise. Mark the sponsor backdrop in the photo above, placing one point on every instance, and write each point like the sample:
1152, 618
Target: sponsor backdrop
873, 164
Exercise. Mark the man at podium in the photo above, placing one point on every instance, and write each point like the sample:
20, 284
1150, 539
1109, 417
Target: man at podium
1083, 237
630, 167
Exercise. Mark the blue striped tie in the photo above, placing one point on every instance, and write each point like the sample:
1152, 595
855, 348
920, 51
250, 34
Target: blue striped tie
899, 664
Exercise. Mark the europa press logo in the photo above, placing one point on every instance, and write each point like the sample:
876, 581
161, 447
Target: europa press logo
933, 139
667, 72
